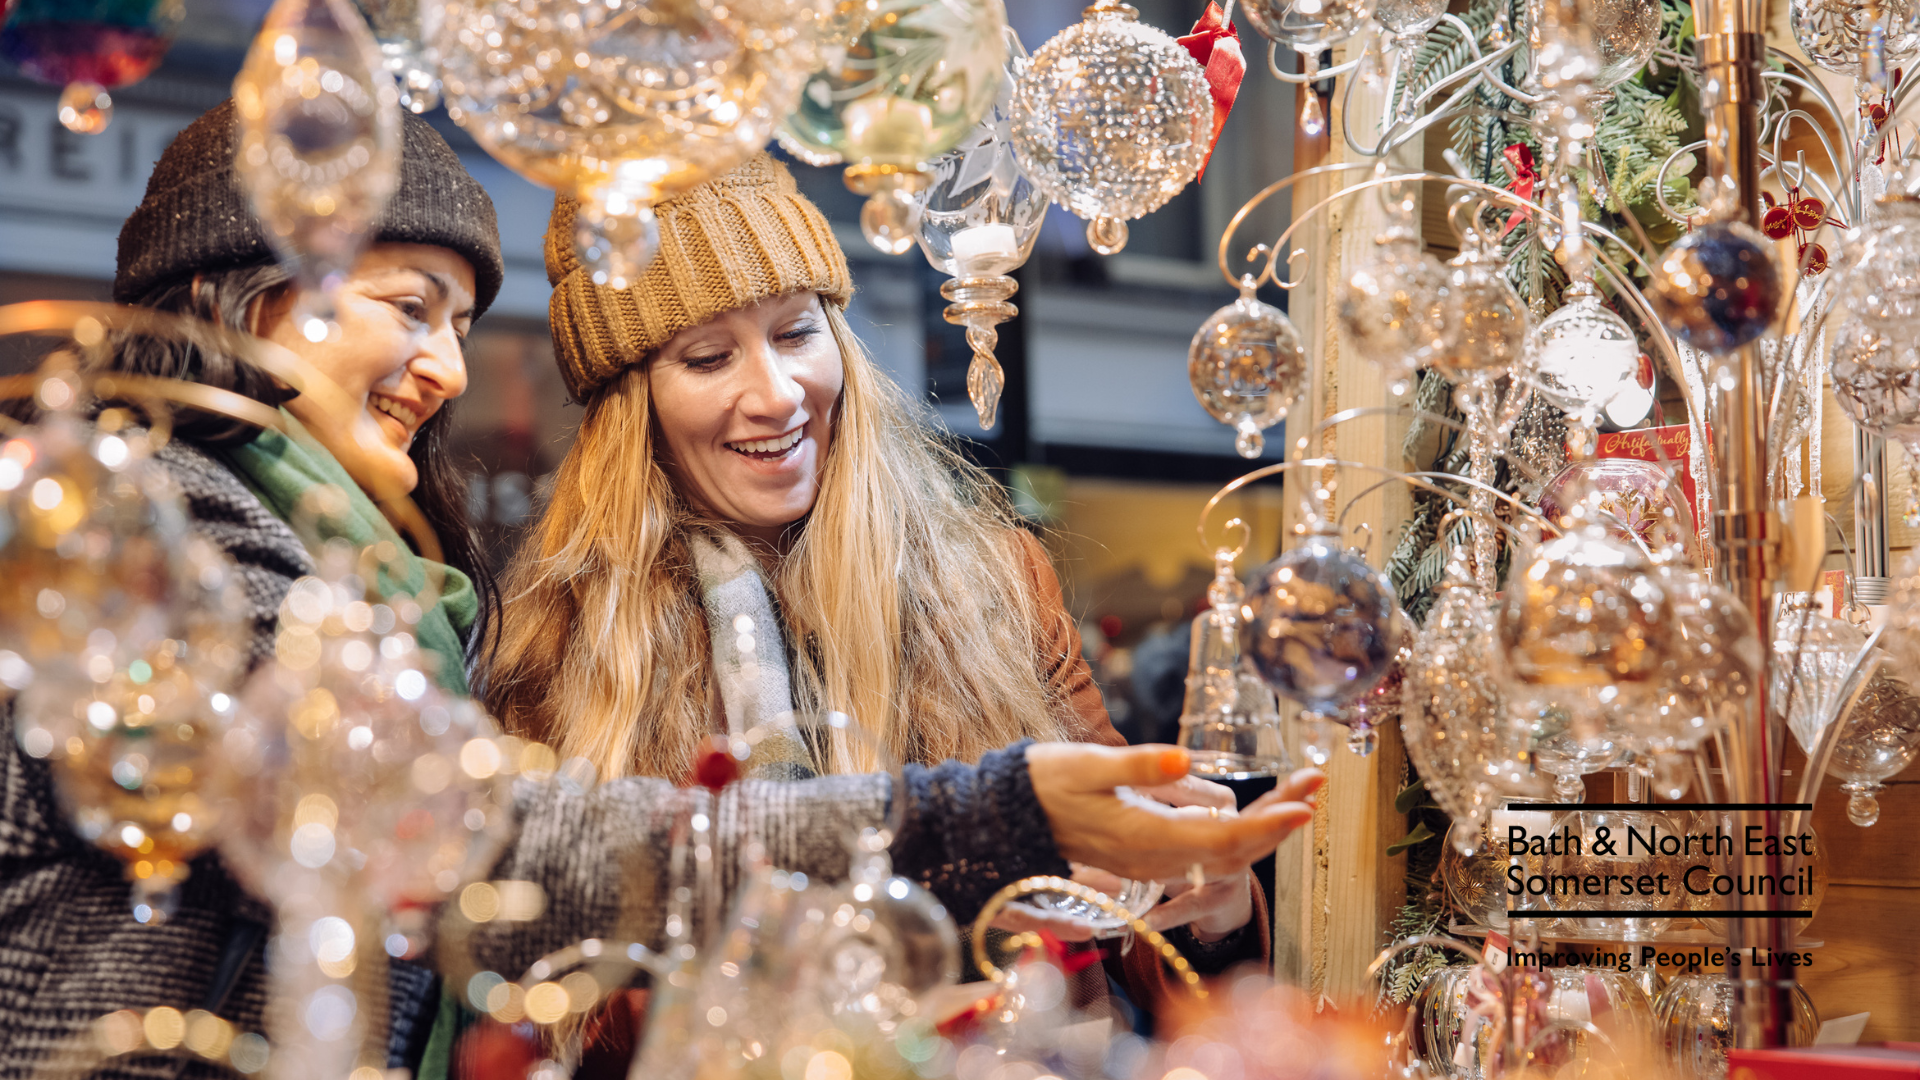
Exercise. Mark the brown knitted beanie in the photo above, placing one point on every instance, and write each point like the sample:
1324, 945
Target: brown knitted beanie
735, 240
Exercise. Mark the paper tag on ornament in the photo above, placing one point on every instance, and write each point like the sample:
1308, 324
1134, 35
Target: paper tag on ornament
1670, 446
1495, 952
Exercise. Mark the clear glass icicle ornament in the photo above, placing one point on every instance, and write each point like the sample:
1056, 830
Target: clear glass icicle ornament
978, 222
320, 143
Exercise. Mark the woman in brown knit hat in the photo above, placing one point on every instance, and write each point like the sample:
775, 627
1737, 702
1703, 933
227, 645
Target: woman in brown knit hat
752, 523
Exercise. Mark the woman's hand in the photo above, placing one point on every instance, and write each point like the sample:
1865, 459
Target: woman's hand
1138, 838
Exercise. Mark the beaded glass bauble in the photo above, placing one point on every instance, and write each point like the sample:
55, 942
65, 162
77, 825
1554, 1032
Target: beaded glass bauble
1584, 355
1486, 321
1635, 500
1395, 305
1307, 26
1111, 119
1247, 367
1718, 288
88, 47
1881, 739
1835, 34
621, 105
1322, 626
1586, 628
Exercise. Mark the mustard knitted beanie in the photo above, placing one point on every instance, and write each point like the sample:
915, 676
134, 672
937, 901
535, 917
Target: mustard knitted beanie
735, 240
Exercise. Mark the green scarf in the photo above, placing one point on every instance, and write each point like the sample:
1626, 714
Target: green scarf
282, 471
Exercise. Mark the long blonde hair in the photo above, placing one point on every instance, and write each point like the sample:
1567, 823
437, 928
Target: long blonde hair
904, 599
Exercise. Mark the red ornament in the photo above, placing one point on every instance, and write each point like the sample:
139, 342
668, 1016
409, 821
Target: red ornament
1777, 223
1809, 212
714, 766
1813, 259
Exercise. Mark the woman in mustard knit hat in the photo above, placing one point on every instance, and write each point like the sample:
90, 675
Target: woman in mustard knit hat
753, 524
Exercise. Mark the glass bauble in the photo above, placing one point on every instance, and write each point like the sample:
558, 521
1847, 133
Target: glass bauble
1584, 355
1632, 499
89, 47
1711, 672
624, 105
1247, 366
1813, 655
1694, 1021
1463, 740
1586, 628
1837, 34
1876, 380
1111, 119
1881, 739
1879, 279
1406, 17
1626, 32
1627, 833
1486, 321
320, 143
358, 765
1558, 1011
122, 633
400, 27
1395, 306
1309, 27
1322, 626
1718, 288
1477, 879
905, 91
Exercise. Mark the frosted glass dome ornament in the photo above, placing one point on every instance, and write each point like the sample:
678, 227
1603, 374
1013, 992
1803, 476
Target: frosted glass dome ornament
1860, 39
1247, 367
1583, 355
909, 88
1486, 321
1813, 655
1111, 119
88, 47
978, 222
1309, 28
622, 106
401, 29
1395, 305
1881, 739
319, 147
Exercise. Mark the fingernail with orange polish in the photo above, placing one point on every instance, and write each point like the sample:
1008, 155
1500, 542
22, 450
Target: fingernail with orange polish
1175, 761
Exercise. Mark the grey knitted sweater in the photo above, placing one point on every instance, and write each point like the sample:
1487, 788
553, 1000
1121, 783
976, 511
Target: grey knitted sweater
70, 950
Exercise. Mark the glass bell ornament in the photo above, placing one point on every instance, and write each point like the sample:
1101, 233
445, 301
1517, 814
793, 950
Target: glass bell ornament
1632, 499
319, 147
1463, 740
1112, 118
1322, 626
1881, 739
1608, 846
402, 30
1718, 288
1860, 39
1813, 655
1486, 321
1309, 28
1247, 367
1586, 630
1229, 719
908, 89
622, 106
1693, 1018
1394, 307
1583, 355
978, 222
89, 47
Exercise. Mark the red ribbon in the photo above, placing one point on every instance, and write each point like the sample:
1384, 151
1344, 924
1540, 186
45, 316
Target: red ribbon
1215, 45
1520, 159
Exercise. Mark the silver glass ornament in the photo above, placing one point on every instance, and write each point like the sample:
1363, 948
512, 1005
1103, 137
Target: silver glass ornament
1861, 39
1111, 119
1395, 305
1322, 626
1718, 288
977, 222
1247, 366
1881, 739
1583, 355
1486, 321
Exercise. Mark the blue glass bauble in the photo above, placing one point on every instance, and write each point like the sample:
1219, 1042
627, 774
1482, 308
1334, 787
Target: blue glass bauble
1718, 287
1323, 627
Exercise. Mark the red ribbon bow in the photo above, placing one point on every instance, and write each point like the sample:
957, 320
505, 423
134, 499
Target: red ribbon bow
1520, 159
1215, 45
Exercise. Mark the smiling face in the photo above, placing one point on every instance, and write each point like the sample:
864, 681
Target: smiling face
745, 407
403, 314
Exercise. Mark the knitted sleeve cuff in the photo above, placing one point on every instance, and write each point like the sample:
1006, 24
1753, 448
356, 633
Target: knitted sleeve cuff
969, 831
